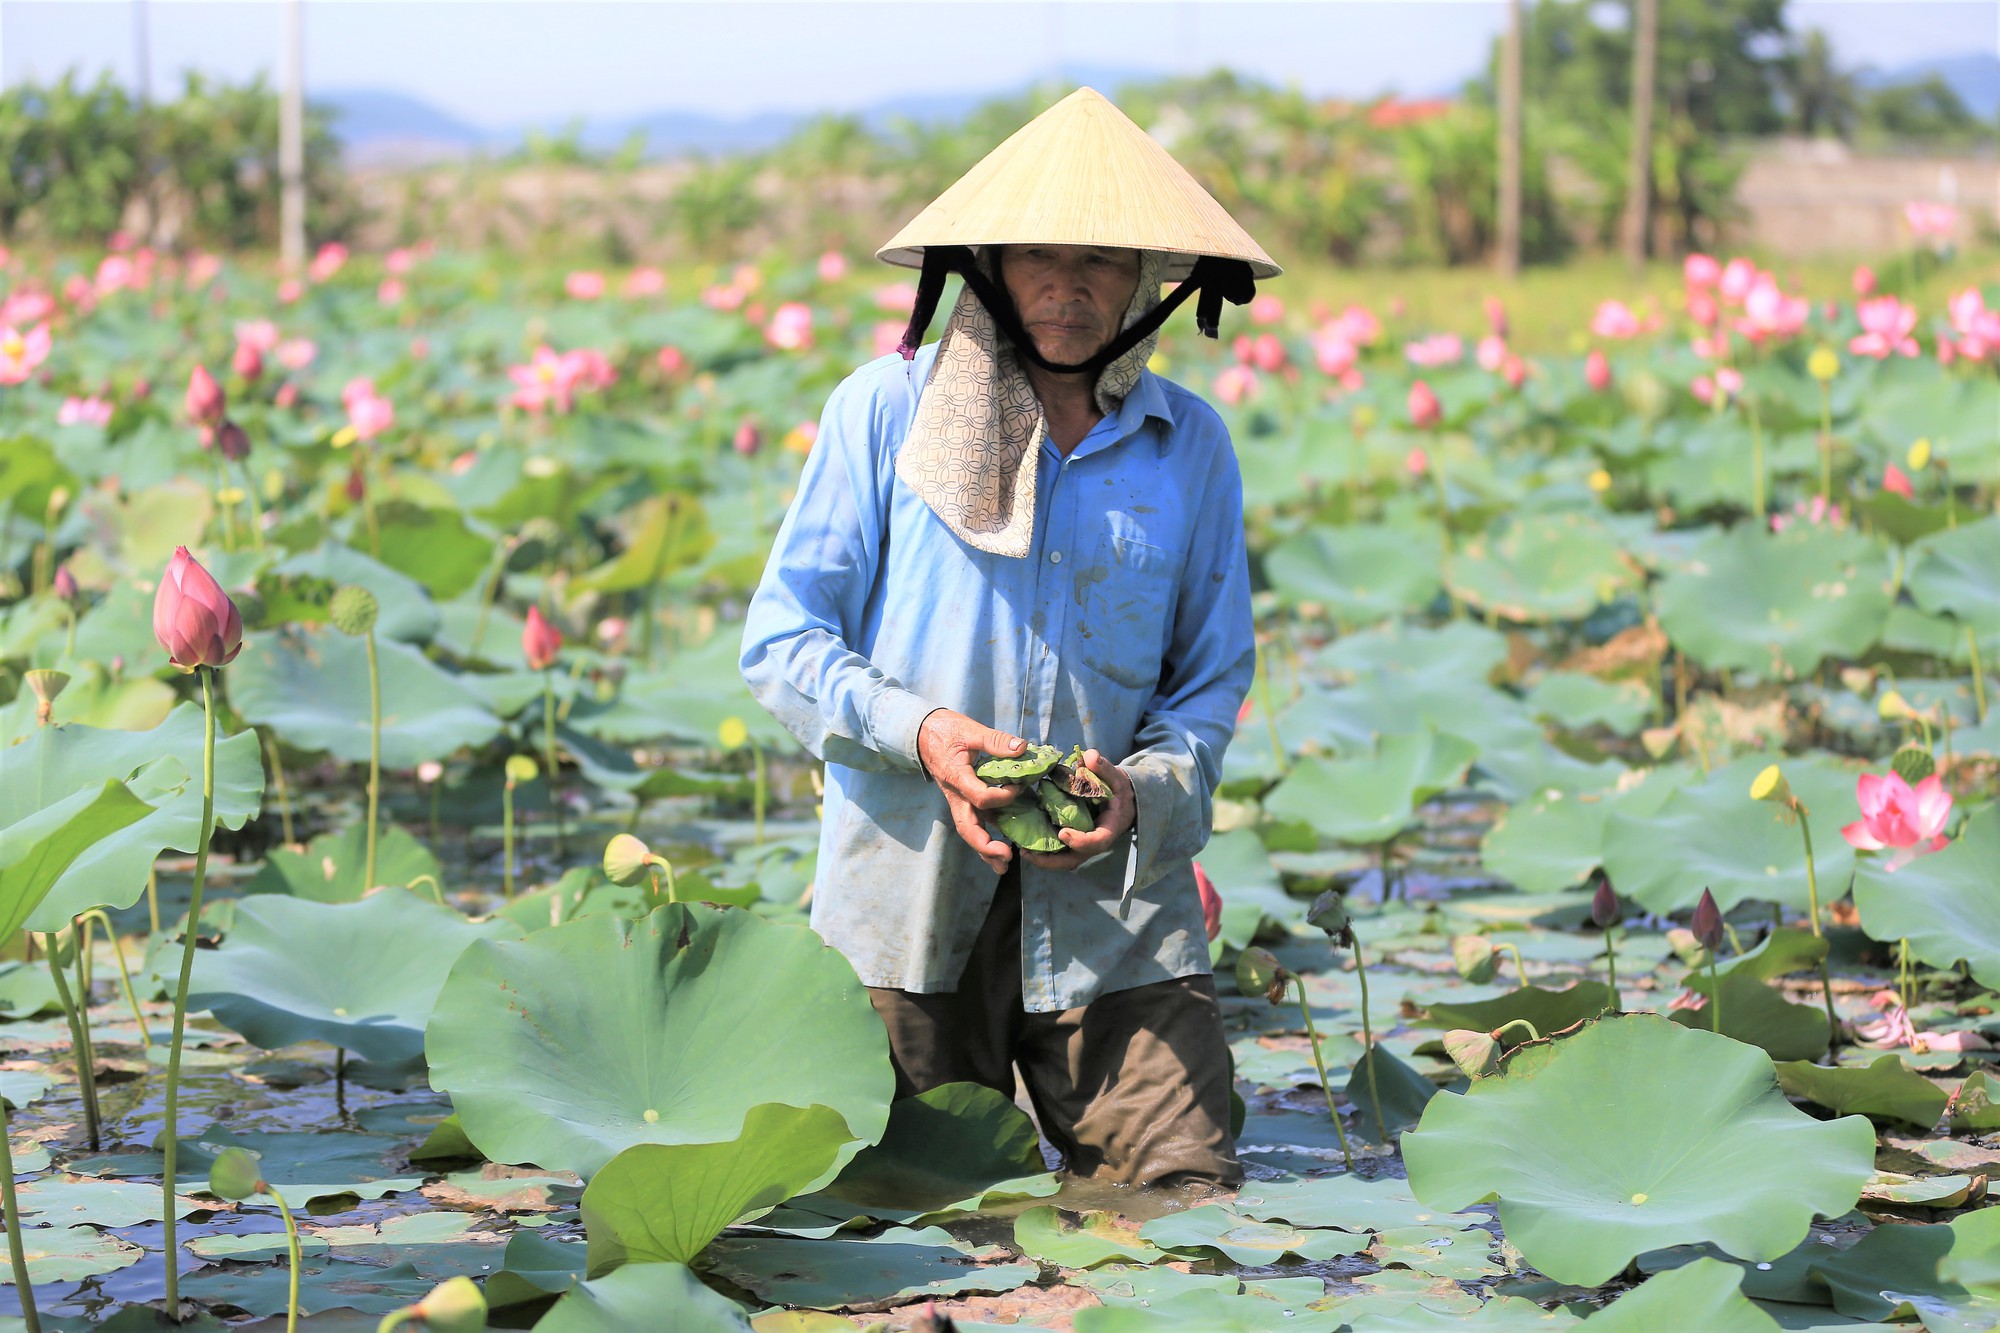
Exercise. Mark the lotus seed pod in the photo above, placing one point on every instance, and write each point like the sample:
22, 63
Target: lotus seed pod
1770, 785
1823, 364
1001, 771
1024, 824
522, 768
1604, 913
353, 610
1919, 456
1475, 958
235, 1175
1476, 1054
1329, 913
1258, 972
1893, 707
626, 860
47, 683
1063, 810
454, 1306
1912, 763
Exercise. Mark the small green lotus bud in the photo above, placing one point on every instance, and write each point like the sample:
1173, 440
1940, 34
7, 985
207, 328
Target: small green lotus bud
1475, 958
235, 1175
1258, 972
454, 1306
47, 683
627, 860
1476, 1054
1913, 763
353, 610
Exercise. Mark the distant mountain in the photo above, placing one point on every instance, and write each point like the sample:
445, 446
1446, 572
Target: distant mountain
376, 115
1975, 78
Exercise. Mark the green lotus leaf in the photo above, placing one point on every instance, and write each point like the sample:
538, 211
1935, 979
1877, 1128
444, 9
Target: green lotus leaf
1955, 414
94, 698
330, 869
1243, 1239
362, 976
831, 1274
68, 1200
534, 1268
69, 1254
1711, 835
1238, 865
110, 868
435, 547
311, 687
1347, 1202
572, 1045
1441, 1252
1359, 574
1633, 1134
1944, 903
686, 699
663, 533
325, 1283
1094, 1238
1209, 1312
662, 1298
1957, 573
1886, 1090
1755, 1012
1574, 700
431, 1241
1403, 1091
1775, 605
1706, 1294
1905, 1191
39, 846
1371, 798
304, 1166
1975, 1107
1553, 841
1460, 650
405, 612
1549, 1010
941, 1146
1548, 567
664, 1202
1888, 1270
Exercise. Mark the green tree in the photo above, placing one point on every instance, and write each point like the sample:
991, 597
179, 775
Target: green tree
1821, 96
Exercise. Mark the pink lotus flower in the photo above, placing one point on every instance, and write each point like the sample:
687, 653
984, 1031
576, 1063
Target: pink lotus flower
1894, 815
1897, 482
886, 336
114, 274
367, 411
1514, 370
1729, 379
1769, 313
1700, 271
1970, 317
297, 353
1813, 512
1268, 353
1425, 410
1703, 389
1597, 371
22, 308
82, 297
1736, 280
671, 360
1491, 352
1211, 902
1358, 325
287, 396
1416, 462
791, 327
390, 292
248, 363
1439, 349
327, 261
1703, 310
1614, 319
1496, 316
646, 281
205, 402
261, 334
1235, 384
584, 285
896, 298
290, 290
193, 618
399, 261
749, 439
84, 412
1864, 280
202, 270
547, 381
1266, 309
1886, 326
832, 266
1930, 220
724, 296
1334, 352
21, 353
540, 641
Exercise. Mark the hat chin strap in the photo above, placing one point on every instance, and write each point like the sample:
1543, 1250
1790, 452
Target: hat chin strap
1217, 280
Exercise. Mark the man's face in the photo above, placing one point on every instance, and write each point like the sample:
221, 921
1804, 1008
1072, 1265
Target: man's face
1072, 298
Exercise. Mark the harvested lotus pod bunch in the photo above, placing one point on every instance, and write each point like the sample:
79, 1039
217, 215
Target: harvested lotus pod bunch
1056, 793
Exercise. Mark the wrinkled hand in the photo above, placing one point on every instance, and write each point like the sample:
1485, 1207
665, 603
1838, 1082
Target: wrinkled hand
949, 743
1113, 822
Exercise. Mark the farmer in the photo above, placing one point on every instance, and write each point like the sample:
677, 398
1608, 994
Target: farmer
1021, 533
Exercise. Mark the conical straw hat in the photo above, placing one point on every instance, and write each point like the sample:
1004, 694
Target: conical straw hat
1081, 173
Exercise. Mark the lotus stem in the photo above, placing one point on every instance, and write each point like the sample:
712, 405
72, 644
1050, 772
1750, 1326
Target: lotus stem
1812, 901
374, 755
1903, 973
15, 1253
1611, 966
1978, 674
278, 781
1756, 459
222, 503
153, 897
124, 974
673, 889
291, 1243
1534, 1034
436, 835
1825, 442
1436, 470
1270, 711
79, 1036
1520, 968
361, 462
507, 838
1714, 995
486, 598
1368, 1040
549, 758
69, 639
172, 1111
1319, 1064
437, 889
759, 791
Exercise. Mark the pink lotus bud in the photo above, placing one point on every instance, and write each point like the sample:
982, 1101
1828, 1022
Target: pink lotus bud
64, 586
193, 618
1425, 410
1703, 388
1211, 902
287, 396
1491, 353
1417, 462
142, 388
1268, 353
584, 285
248, 362
1703, 310
1604, 912
1897, 482
1496, 316
1597, 371
540, 641
749, 439
1514, 370
1864, 280
671, 360
1708, 922
1729, 379
1266, 309
232, 441
832, 266
357, 486
205, 400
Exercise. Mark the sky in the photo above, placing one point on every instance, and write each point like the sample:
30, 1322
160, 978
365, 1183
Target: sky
542, 61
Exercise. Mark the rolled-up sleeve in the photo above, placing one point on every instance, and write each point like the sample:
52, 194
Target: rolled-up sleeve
1176, 763
804, 622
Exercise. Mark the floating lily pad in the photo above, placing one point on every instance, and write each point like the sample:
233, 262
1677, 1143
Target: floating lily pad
1574, 700
1885, 1090
1094, 1238
665, 1296
1975, 1107
1348, 1202
1244, 1240
1208, 1312
1706, 1294
1548, 567
572, 1045
366, 983
1549, 1010
846, 1274
333, 865
102, 1203
325, 1283
1371, 798
69, 1254
1957, 573
1240, 867
941, 1146
1359, 574
1439, 1252
533, 1267
1633, 1134
305, 1166
1944, 903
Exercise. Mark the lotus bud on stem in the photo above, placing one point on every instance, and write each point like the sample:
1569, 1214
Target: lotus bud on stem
1329, 913
628, 861
1770, 785
431, 774
541, 643
353, 612
46, 684
1604, 914
520, 768
1708, 930
455, 1305
1258, 972
235, 1175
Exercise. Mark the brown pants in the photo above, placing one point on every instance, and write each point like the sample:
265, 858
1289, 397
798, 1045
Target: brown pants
1132, 1088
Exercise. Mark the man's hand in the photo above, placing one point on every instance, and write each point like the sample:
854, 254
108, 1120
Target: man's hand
947, 743
1113, 823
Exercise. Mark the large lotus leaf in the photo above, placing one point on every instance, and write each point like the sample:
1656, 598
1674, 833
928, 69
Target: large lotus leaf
101, 1203
362, 976
1461, 650
1631, 1135
1553, 841
1244, 1240
660, 1298
70, 1254
1957, 415
1095, 1238
156, 765
1380, 1082
830, 1274
1888, 1270
39, 848
1775, 604
1362, 573
664, 1202
1548, 567
686, 700
534, 1268
332, 867
325, 1283
1572, 699
1755, 1012
1944, 903
311, 687
1348, 1202
1239, 866
1712, 835
1706, 1294
665, 533
1371, 798
572, 1045
1957, 573
95, 698
405, 611
435, 547
1209, 1312
1549, 1010
1886, 1090
943, 1145
305, 1166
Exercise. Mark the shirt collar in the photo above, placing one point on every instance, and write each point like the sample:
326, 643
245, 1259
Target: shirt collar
1146, 402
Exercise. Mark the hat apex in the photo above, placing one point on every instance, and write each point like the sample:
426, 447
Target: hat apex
1081, 173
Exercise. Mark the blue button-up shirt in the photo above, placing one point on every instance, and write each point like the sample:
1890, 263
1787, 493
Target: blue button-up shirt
1126, 629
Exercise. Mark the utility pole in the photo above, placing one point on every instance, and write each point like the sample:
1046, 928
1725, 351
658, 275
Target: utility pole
292, 143
1508, 256
1639, 176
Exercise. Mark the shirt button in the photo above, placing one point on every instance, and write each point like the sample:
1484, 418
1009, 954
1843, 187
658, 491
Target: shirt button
1055, 557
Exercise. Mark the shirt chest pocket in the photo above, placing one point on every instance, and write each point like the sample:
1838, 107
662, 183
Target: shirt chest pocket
1125, 598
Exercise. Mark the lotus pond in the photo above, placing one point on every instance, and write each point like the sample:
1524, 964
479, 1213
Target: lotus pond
1609, 866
